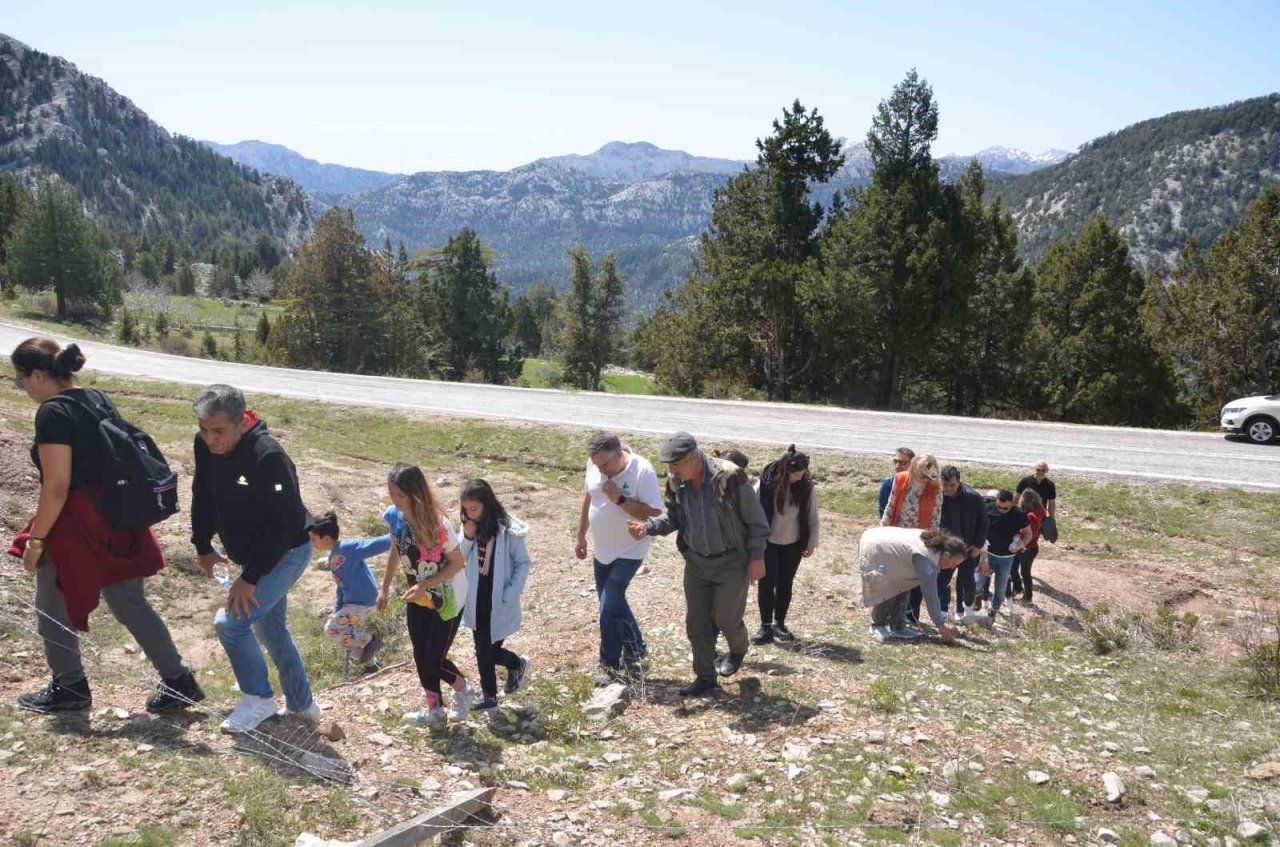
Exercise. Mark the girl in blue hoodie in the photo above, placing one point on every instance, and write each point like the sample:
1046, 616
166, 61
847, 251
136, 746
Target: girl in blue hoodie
497, 566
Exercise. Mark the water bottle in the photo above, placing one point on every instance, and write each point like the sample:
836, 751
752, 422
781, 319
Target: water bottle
222, 570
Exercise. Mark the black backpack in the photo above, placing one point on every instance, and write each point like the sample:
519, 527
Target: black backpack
139, 490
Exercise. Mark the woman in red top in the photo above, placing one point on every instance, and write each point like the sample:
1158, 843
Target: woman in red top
75, 554
1021, 577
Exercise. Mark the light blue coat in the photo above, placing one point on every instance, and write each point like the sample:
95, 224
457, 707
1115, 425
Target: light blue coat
510, 573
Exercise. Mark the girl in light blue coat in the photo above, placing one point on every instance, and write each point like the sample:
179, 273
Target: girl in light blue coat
497, 566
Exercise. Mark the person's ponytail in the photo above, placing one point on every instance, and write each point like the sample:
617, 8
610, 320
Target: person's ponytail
68, 361
44, 354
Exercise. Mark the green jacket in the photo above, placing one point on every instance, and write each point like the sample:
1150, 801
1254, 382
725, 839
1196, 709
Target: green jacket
726, 494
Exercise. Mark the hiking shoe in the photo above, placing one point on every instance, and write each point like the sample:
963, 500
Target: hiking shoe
462, 701
370, 650
781, 632
436, 717
55, 697
248, 713
311, 713
699, 687
516, 676
904, 634
606, 675
881, 632
176, 693
488, 704
764, 635
731, 665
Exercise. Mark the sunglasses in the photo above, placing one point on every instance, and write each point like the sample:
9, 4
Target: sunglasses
902, 461
19, 381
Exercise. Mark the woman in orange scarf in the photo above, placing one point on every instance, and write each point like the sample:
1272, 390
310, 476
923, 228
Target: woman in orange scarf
915, 503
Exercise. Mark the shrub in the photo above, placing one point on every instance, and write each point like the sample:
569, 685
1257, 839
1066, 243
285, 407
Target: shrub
209, 346
1108, 631
1259, 641
176, 345
1168, 630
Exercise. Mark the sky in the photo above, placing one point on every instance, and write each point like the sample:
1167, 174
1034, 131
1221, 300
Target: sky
415, 85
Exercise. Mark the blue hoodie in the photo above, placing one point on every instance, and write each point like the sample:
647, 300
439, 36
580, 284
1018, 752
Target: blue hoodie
350, 568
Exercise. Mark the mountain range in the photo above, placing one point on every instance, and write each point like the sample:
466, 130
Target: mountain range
1163, 180
129, 171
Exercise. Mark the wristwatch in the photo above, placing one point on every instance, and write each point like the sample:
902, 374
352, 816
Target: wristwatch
622, 498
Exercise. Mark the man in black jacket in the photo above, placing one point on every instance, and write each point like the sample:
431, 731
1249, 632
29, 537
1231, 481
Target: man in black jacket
246, 491
964, 513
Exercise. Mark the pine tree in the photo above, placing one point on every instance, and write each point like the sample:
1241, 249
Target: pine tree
263, 332
54, 245
606, 315
578, 339
127, 331
1218, 316
470, 313
237, 341
209, 345
1098, 363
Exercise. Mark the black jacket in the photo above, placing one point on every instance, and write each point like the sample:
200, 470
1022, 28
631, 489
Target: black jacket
250, 498
965, 515
799, 492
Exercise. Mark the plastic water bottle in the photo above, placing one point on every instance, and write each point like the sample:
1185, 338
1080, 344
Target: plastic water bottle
222, 571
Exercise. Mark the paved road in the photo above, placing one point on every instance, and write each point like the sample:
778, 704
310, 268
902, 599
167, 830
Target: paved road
1157, 454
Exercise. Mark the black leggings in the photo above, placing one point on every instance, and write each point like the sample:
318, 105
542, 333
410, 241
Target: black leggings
432, 638
773, 595
490, 654
1020, 578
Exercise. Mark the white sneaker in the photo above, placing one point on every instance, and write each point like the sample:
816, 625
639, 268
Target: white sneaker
462, 701
248, 713
881, 632
427, 717
311, 713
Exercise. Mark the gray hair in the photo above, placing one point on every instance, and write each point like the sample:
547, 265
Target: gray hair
220, 398
603, 441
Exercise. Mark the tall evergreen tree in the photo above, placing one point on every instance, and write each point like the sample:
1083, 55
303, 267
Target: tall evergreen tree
578, 340
471, 313
54, 245
15, 199
1219, 315
1099, 362
607, 314
331, 318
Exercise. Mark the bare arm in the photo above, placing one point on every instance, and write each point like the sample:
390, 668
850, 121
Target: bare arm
582, 515
55, 471
639, 511
393, 565
1052, 507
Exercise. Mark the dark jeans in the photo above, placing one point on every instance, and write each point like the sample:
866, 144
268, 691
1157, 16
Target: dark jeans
773, 596
618, 626
431, 638
964, 581
490, 653
1021, 576
892, 612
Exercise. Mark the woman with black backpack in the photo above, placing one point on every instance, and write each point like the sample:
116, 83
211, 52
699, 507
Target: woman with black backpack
790, 504
76, 554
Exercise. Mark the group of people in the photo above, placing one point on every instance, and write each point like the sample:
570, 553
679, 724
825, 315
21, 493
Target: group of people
732, 532
936, 531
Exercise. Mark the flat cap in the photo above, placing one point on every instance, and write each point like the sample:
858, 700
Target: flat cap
673, 448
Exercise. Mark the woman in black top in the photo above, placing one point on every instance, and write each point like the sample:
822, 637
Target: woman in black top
75, 554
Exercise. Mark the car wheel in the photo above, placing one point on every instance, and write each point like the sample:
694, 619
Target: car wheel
1261, 430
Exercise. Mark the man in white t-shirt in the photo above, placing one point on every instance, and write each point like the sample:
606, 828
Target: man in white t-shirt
620, 486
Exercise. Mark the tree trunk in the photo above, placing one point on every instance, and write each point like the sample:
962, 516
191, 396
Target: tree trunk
62, 301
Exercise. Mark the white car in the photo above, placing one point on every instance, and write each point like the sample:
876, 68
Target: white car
1257, 418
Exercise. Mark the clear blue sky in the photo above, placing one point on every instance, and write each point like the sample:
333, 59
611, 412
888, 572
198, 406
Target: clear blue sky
410, 85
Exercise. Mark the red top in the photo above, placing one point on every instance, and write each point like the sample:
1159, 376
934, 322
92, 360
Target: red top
1035, 518
89, 554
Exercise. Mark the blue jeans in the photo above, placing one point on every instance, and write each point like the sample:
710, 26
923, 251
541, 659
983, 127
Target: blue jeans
618, 626
269, 620
1001, 566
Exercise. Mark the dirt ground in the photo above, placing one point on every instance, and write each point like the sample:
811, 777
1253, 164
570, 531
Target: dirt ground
86, 780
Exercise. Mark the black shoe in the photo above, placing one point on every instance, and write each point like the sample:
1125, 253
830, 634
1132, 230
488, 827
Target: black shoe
631, 655
370, 650
516, 675
58, 698
175, 693
781, 632
731, 664
1026, 597
699, 687
488, 704
764, 635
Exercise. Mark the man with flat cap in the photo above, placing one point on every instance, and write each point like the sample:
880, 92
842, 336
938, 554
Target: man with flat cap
721, 531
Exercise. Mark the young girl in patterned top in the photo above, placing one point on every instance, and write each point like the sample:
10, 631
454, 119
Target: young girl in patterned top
424, 541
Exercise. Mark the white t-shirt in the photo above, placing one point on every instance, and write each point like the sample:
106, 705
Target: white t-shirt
608, 521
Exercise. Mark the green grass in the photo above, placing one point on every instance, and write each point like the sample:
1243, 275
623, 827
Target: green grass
535, 375
147, 836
